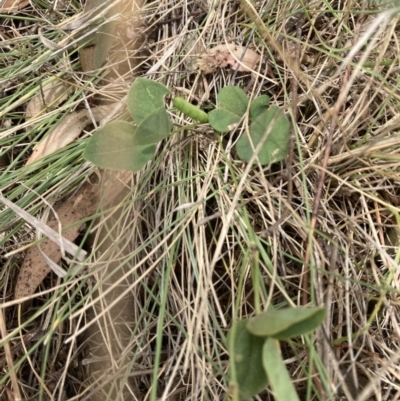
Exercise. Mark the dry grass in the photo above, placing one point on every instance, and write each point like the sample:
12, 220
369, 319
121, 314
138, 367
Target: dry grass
200, 238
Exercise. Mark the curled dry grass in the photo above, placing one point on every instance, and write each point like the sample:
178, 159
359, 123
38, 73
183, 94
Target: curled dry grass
201, 238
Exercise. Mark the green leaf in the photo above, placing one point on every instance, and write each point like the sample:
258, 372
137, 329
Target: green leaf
275, 322
303, 327
278, 376
232, 105
222, 120
276, 144
233, 99
246, 358
258, 106
154, 128
113, 147
144, 98
190, 110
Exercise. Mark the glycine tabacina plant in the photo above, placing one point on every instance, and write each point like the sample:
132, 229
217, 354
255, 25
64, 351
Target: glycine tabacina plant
120, 145
254, 350
253, 344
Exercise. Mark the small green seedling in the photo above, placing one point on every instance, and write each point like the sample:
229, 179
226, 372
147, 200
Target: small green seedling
129, 146
255, 355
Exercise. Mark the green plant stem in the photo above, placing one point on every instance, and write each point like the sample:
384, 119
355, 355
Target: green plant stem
255, 266
233, 386
160, 325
